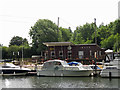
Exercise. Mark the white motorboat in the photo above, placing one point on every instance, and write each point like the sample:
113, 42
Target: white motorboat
61, 68
110, 71
11, 69
113, 70
116, 61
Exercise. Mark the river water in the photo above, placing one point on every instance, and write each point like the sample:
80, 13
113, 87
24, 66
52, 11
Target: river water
57, 82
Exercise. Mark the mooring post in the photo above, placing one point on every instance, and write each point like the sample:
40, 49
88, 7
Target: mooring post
95, 74
110, 74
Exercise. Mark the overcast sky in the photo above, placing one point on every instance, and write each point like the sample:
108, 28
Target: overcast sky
17, 16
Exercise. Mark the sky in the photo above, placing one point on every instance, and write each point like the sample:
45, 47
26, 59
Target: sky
17, 16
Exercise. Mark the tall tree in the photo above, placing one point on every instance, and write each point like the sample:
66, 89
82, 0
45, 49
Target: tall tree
108, 42
17, 40
84, 33
43, 31
66, 34
116, 27
4, 52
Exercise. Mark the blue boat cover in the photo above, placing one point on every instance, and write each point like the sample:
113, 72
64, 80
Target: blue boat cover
70, 63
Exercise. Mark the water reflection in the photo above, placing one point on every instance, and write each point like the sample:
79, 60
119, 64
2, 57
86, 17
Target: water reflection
58, 82
0, 82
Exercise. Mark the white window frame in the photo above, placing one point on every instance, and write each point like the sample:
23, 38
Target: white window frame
100, 53
52, 53
60, 52
80, 54
69, 55
90, 52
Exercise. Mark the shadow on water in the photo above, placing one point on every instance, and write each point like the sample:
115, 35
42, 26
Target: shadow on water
58, 82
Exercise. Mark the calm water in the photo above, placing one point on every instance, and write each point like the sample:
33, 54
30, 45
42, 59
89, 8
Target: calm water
57, 82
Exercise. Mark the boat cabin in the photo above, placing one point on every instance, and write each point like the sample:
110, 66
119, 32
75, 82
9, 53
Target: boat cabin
54, 64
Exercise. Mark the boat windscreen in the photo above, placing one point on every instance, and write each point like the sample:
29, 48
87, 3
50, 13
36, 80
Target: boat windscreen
111, 67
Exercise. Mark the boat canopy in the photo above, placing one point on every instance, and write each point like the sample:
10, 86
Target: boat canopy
75, 63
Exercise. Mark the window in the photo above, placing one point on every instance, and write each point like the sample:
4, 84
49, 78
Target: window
100, 53
90, 53
80, 54
58, 63
69, 54
111, 67
52, 54
60, 54
42, 54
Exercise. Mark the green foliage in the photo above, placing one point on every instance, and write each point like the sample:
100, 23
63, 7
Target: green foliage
112, 42
12, 51
79, 39
108, 42
4, 52
88, 41
116, 46
84, 33
103, 32
107, 35
116, 27
16, 40
65, 34
43, 31
27, 52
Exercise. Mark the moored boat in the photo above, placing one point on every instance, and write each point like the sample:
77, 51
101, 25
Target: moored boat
11, 69
61, 68
113, 70
110, 71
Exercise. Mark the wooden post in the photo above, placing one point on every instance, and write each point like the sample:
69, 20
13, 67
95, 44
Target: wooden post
95, 64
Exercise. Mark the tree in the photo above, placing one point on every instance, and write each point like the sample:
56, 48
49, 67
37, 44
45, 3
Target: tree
79, 39
43, 31
116, 46
103, 32
16, 40
13, 51
116, 27
84, 33
5, 52
65, 34
108, 43
27, 52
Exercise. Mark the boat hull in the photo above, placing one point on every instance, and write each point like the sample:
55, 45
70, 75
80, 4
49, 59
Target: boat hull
13, 72
110, 73
64, 72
